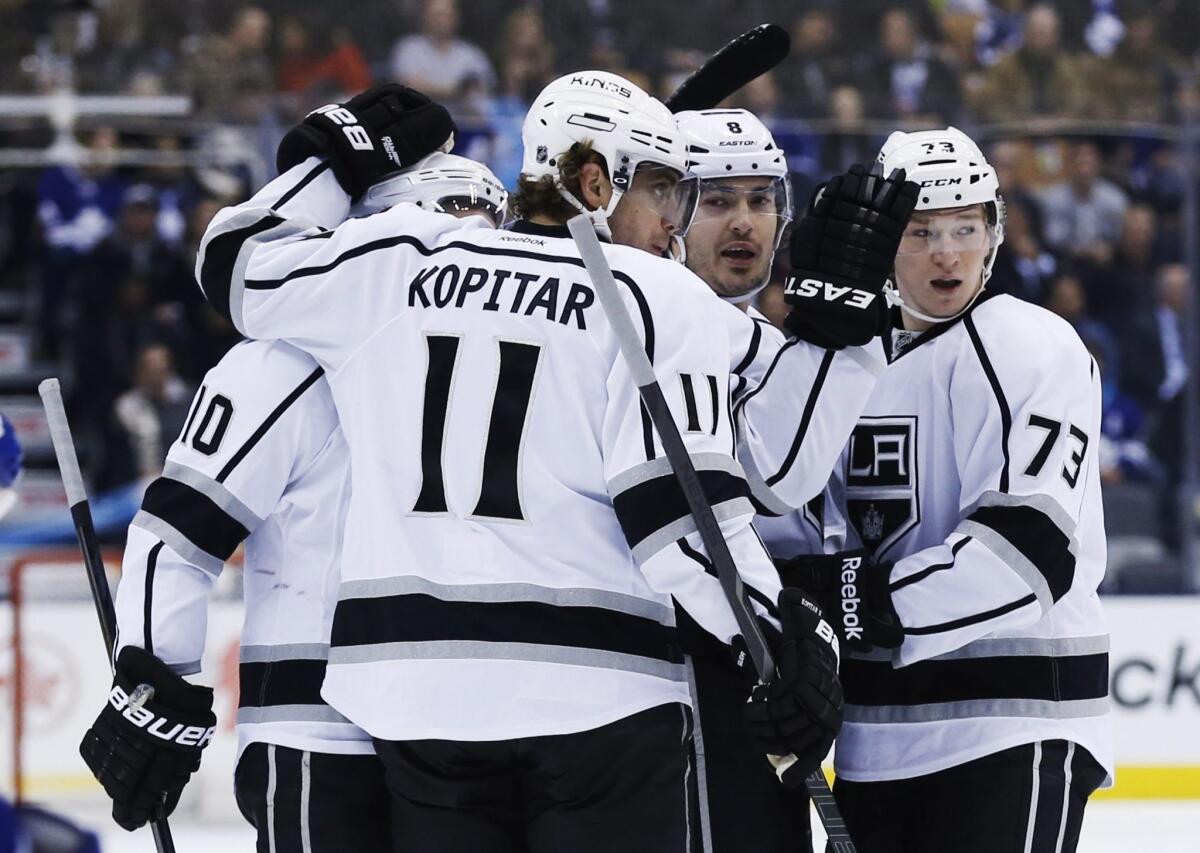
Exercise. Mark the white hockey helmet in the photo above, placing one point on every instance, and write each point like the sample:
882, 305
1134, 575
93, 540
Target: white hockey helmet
444, 183
951, 172
735, 144
623, 124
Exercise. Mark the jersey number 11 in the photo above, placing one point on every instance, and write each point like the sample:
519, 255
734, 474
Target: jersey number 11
500, 491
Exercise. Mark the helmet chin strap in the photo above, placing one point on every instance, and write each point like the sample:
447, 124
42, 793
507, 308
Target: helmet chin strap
749, 294
895, 299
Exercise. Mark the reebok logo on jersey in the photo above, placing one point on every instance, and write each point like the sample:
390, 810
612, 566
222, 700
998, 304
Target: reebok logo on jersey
193, 736
851, 624
522, 238
812, 288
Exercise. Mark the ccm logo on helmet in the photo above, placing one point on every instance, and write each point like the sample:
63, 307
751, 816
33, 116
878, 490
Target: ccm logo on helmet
598, 83
196, 736
813, 287
354, 131
851, 624
941, 182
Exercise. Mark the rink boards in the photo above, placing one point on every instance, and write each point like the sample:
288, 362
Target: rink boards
1154, 681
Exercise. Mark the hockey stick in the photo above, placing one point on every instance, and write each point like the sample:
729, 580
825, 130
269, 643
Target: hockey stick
81, 514
753, 53
639, 365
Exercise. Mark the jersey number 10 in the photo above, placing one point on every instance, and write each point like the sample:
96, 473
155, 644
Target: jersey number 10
500, 491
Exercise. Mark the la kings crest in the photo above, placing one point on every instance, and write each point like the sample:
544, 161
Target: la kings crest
881, 481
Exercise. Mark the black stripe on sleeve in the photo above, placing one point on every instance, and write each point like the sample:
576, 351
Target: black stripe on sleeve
955, 624
305, 181
1001, 401
282, 682
751, 351
420, 618
963, 679
220, 258
810, 406
649, 506
194, 515
256, 437
929, 570
148, 599
1037, 537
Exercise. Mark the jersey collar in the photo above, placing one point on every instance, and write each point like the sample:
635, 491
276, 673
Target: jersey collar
524, 226
929, 334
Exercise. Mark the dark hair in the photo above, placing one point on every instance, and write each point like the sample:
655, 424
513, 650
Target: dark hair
541, 197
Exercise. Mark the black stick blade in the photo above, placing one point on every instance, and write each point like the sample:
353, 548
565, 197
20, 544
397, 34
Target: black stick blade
750, 55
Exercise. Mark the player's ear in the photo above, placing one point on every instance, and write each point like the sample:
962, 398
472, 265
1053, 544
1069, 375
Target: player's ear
594, 185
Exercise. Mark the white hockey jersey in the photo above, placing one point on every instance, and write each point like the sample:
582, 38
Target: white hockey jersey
974, 471
261, 459
508, 485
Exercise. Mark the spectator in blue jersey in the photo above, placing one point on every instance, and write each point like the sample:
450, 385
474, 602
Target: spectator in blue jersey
76, 208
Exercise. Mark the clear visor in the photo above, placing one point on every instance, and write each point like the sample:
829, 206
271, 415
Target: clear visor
467, 205
763, 196
966, 231
664, 191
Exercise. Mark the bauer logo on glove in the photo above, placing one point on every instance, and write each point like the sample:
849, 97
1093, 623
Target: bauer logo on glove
160, 727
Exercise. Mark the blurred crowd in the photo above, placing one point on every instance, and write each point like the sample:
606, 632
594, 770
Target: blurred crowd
1079, 102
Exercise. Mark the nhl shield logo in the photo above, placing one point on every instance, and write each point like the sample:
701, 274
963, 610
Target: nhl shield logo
542, 154
881, 481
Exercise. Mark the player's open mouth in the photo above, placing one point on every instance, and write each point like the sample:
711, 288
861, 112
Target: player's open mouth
740, 254
945, 283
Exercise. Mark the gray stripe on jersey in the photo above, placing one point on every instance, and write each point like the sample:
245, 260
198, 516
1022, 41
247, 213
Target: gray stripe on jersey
189, 668
1000, 647
284, 651
178, 543
661, 467
499, 593
1044, 504
971, 708
534, 652
290, 714
1029, 647
681, 527
1012, 558
215, 492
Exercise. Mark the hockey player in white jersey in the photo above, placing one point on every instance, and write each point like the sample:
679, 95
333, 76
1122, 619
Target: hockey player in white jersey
810, 393
514, 538
977, 677
261, 460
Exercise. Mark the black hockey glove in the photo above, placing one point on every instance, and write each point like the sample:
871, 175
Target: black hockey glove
853, 592
800, 710
372, 135
842, 253
147, 741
